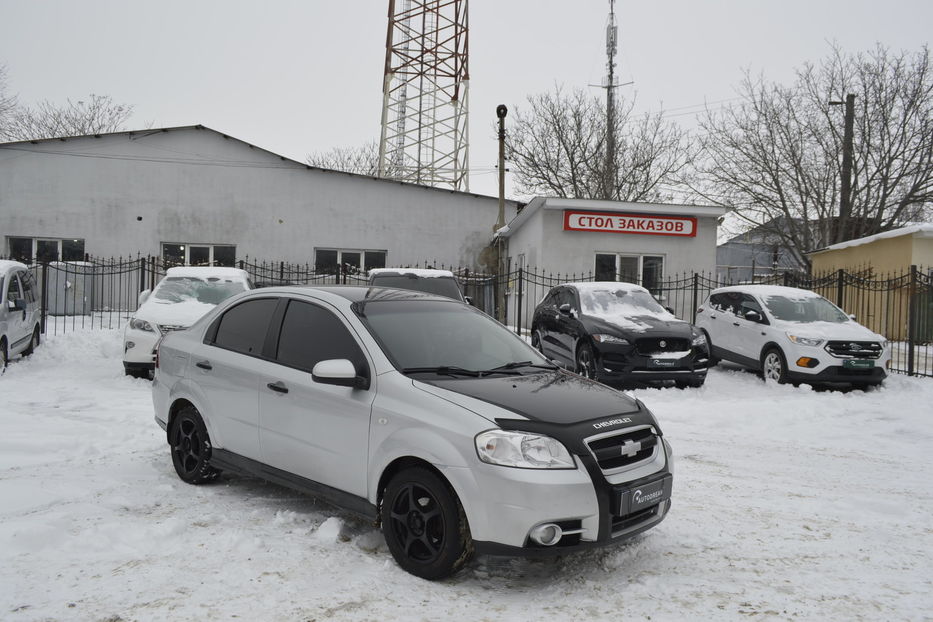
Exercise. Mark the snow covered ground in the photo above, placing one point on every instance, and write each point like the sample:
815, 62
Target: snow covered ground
788, 504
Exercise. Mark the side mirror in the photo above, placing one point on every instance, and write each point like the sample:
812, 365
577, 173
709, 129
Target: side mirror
469, 300
565, 309
852, 316
753, 316
19, 304
143, 296
339, 372
669, 310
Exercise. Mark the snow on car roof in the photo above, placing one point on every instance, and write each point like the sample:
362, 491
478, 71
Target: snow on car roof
6, 266
421, 272
601, 286
206, 272
769, 290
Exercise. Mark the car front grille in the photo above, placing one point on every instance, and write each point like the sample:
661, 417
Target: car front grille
625, 449
854, 349
658, 345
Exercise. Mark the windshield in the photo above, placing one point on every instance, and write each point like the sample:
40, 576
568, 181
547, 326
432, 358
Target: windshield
442, 286
425, 334
612, 303
808, 309
212, 291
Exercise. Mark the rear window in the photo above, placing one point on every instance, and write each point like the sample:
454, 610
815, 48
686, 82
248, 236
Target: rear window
442, 286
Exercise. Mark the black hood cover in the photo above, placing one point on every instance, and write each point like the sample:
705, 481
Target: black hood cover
559, 403
654, 327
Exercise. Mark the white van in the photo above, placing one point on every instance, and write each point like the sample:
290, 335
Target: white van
19, 311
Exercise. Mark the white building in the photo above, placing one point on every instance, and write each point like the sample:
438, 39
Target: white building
194, 195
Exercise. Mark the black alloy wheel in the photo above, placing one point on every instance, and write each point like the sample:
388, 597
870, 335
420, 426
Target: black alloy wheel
424, 524
586, 361
191, 447
536, 341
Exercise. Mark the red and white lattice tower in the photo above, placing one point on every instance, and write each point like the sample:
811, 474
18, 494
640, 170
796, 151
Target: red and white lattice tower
425, 109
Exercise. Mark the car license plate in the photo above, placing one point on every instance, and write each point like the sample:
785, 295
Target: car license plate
662, 362
643, 497
858, 364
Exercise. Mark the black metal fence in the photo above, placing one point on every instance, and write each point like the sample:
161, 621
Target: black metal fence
100, 293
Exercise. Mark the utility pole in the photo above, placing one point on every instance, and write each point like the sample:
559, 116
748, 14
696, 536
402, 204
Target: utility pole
611, 46
845, 198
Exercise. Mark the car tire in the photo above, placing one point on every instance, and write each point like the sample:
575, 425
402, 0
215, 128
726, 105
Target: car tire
191, 447
586, 361
33, 343
711, 361
774, 366
691, 384
424, 524
536, 341
136, 373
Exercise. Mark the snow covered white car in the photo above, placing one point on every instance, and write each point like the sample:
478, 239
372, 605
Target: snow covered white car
19, 311
792, 335
416, 411
183, 296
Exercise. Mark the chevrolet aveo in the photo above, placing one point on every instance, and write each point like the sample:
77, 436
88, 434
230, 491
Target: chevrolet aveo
417, 412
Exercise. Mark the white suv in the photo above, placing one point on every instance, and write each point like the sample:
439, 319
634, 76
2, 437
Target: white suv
792, 335
19, 311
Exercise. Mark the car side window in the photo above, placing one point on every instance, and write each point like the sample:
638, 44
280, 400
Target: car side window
311, 334
748, 303
564, 297
243, 328
13, 292
28, 283
719, 302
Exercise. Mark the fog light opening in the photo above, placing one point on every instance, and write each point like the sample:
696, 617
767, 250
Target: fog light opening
547, 534
805, 361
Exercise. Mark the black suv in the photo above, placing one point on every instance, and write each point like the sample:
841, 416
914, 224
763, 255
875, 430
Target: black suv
618, 333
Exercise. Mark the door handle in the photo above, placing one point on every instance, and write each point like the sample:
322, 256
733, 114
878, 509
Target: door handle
736, 324
204, 365
278, 387
713, 317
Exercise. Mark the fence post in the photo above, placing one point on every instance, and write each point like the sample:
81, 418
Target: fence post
518, 307
45, 294
786, 278
912, 318
142, 275
282, 273
840, 287
696, 289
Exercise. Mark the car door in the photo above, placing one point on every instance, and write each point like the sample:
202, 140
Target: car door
561, 335
224, 366
545, 322
18, 328
720, 314
315, 430
748, 336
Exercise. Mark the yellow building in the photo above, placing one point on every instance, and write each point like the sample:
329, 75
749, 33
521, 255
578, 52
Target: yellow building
876, 283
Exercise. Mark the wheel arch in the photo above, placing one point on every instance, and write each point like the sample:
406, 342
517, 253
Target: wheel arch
177, 406
764, 349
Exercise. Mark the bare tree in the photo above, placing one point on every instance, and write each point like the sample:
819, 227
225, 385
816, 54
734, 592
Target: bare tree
777, 157
558, 148
99, 114
362, 160
7, 103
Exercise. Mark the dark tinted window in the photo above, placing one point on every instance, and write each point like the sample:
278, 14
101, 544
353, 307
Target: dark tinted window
28, 283
224, 256
72, 250
311, 334
243, 328
440, 285
21, 249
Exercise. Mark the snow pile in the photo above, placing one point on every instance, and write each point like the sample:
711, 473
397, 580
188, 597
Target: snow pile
788, 503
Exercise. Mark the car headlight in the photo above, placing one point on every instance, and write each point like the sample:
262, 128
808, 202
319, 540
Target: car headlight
602, 338
141, 325
804, 341
522, 450
699, 340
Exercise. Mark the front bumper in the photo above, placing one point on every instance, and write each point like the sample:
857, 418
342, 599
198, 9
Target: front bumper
138, 348
619, 364
591, 511
833, 374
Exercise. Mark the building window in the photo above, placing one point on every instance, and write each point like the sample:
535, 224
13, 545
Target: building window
352, 261
43, 250
184, 254
645, 270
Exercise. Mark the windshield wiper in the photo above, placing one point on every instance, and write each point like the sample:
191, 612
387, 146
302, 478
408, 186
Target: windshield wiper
443, 370
510, 367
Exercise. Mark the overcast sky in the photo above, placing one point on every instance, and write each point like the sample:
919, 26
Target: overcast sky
302, 76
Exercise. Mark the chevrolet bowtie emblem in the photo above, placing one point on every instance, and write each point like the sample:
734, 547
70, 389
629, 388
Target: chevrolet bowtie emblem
630, 448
